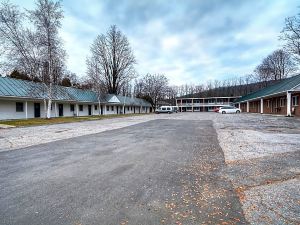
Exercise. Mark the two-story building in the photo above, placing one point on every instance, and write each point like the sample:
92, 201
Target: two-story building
203, 104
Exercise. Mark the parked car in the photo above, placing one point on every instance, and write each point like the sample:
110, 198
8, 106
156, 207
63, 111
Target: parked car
164, 109
229, 109
216, 110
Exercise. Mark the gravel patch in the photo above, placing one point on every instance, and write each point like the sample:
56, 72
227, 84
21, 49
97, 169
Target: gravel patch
248, 144
276, 203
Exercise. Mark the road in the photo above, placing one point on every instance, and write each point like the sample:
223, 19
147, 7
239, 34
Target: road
156, 172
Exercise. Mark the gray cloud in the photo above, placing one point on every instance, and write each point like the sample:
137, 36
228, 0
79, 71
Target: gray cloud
189, 41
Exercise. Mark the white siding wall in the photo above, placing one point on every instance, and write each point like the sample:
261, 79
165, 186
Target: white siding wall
67, 110
110, 112
8, 109
85, 111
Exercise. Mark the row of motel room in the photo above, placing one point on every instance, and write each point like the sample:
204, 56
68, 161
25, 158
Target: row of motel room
281, 98
21, 99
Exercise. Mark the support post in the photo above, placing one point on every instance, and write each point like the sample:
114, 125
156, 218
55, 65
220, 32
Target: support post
239, 105
192, 105
26, 110
261, 105
247, 106
289, 103
99, 105
45, 108
55, 109
77, 110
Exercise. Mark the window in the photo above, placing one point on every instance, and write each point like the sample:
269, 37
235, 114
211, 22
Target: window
19, 107
96, 107
282, 102
81, 108
72, 108
112, 108
107, 108
295, 100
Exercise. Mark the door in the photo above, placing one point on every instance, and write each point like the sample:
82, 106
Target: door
37, 110
60, 110
90, 109
101, 108
117, 109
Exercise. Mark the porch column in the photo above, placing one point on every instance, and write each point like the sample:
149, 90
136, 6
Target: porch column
99, 105
26, 110
247, 106
104, 109
45, 108
55, 109
288, 103
261, 105
77, 110
192, 105
239, 105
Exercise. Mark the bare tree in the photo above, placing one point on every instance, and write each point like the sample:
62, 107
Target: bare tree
31, 42
276, 66
291, 35
47, 20
111, 63
154, 86
282, 63
18, 43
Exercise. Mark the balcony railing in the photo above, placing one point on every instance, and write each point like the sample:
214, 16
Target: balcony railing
204, 104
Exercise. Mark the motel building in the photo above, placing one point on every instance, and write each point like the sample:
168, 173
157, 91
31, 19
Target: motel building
20, 99
203, 104
281, 98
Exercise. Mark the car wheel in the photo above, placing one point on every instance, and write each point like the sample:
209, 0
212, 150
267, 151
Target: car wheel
223, 112
238, 111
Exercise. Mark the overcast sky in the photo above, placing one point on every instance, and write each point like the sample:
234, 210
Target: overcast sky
190, 41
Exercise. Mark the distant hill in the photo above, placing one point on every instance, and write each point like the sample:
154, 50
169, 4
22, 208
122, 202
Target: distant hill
231, 91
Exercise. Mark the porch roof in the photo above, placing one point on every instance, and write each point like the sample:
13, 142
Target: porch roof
10, 87
285, 85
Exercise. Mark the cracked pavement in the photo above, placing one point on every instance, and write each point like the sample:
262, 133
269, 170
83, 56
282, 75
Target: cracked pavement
185, 168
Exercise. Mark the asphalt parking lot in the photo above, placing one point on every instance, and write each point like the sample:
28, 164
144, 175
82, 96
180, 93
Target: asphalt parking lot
186, 168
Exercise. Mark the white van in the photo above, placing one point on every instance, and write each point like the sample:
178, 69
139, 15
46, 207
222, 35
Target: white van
175, 109
164, 109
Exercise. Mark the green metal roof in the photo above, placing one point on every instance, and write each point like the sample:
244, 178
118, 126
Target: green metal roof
10, 87
280, 87
132, 101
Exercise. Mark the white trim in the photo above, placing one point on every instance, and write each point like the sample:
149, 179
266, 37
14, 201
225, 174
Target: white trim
288, 105
26, 110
